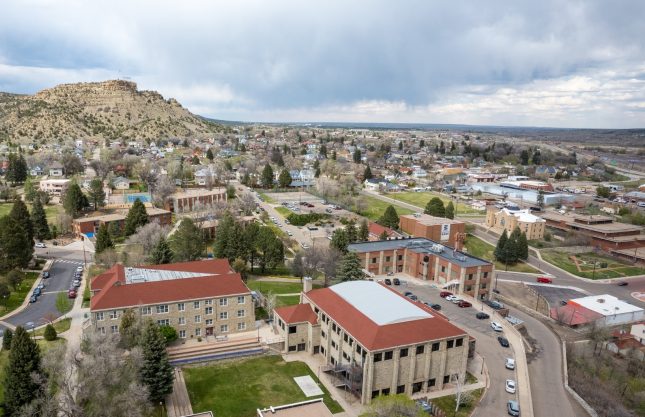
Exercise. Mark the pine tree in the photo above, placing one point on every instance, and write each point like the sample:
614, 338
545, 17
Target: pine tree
20, 213
16, 249
339, 240
367, 174
6, 339
500, 246
17, 169
161, 254
435, 207
103, 239
186, 243
383, 235
19, 386
390, 218
30, 189
96, 193
297, 266
450, 210
363, 231
284, 179
350, 230
267, 177
510, 251
129, 330
523, 247
156, 372
357, 156
50, 333
349, 268
74, 200
39, 220
137, 217
540, 199
209, 155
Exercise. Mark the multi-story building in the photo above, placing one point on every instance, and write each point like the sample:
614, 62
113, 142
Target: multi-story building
429, 261
200, 298
507, 219
374, 340
90, 225
55, 187
439, 229
195, 200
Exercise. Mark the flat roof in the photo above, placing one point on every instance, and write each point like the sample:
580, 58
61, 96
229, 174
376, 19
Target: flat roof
430, 220
606, 305
369, 298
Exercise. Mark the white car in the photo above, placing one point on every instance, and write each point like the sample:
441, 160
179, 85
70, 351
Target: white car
496, 326
510, 363
456, 300
79, 269
451, 297
40, 245
510, 386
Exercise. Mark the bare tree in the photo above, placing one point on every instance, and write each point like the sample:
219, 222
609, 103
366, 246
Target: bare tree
148, 236
147, 174
246, 203
64, 223
108, 257
165, 188
270, 302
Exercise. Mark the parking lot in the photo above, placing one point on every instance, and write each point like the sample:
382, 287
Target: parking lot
554, 295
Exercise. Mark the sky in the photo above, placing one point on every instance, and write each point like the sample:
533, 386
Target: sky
549, 63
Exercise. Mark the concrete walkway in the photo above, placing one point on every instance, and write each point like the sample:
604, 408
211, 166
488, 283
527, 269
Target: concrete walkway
178, 402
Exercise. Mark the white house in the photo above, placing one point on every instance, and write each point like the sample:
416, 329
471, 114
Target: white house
203, 176
121, 183
56, 170
54, 187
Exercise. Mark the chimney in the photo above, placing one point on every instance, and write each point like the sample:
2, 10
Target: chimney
307, 284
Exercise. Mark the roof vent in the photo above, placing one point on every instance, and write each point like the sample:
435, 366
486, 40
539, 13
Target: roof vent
601, 300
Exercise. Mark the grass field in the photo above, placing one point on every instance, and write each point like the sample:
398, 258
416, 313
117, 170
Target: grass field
287, 300
481, 249
60, 326
266, 198
376, 208
239, 388
448, 403
16, 298
615, 269
50, 210
283, 211
420, 200
275, 287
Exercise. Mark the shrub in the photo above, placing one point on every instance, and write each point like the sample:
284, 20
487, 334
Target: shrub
50, 333
169, 333
547, 236
303, 219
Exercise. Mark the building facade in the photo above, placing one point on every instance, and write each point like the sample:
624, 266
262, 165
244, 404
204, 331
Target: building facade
194, 200
506, 219
54, 187
198, 299
438, 229
90, 225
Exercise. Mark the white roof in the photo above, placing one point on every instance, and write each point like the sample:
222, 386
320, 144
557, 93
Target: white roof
606, 305
524, 216
378, 303
136, 275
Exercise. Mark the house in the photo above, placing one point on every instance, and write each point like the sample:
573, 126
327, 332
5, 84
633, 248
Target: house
56, 170
55, 187
419, 172
199, 298
121, 183
372, 184
373, 340
195, 200
204, 176
36, 171
548, 171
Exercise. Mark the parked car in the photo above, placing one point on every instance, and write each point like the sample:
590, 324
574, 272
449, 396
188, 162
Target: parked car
510, 386
482, 316
389, 274
545, 280
436, 307
388, 281
41, 286
396, 281
513, 408
45, 274
33, 299
464, 304
444, 294
40, 245
408, 293
496, 305
76, 283
71, 293
451, 298
496, 326
510, 363
503, 341
424, 406
37, 292
79, 269
455, 300
328, 210
623, 283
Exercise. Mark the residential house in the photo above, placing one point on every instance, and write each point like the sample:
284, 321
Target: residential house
56, 170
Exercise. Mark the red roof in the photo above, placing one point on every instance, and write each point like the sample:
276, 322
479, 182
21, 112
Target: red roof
299, 313
377, 337
111, 290
574, 314
376, 229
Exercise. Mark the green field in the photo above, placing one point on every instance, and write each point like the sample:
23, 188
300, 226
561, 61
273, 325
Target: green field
50, 210
238, 388
287, 300
283, 211
60, 326
266, 198
447, 404
16, 298
276, 287
376, 208
481, 249
420, 200
614, 269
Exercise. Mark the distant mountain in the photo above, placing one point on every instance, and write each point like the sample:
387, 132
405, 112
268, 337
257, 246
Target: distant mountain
112, 109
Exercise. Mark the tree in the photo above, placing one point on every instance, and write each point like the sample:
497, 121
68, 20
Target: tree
399, 405
19, 386
500, 245
50, 333
4, 290
103, 239
537, 158
383, 235
350, 230
390, 218
20, 214
156, 372
267, 177
297, 266
339, 240
6, 339
30, 190
16, 249
284, 179
540, 199
523, 247
169, 333
187, 242
137, 217
147, 237
39, 220
450, 210
510, 251
161, 254
240, 266
130, 329
269, 248
74, 200
349, 268
357, 156
603, 192
72, 165
209, 155
524, 157
14, 278
367, 173
17, 170
363, 231
96, 193
435, 207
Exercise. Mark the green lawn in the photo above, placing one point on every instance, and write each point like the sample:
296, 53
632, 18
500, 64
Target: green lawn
615, 269
376, 208
275, 287
60, 326
266, 198
481, 249
16, 298
287, 300
420, 200
447, 404
283, 211
239, 388
50, 210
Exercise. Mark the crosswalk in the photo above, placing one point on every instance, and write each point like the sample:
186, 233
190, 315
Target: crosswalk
66, 261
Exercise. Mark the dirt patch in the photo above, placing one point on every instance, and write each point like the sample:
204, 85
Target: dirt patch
533, 347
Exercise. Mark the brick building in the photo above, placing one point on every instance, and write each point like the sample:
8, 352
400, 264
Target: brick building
374, 341
194, 199
200, 298
439, 229
506, 219
429, 261
90, 225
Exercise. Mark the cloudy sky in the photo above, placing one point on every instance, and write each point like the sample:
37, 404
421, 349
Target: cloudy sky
561, 63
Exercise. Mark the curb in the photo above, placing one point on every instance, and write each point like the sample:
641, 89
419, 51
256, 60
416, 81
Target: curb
570, 390
25, 302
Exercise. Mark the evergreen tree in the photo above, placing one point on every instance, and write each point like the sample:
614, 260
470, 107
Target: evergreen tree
267, 177
339, 240
16, 249
333, 155
103, 239
450, 210
17, 169
187, 243
435, 207
20, 213
6, 339
246, 179
357, 156
390, 218
24, 360
50, 333
269, 248
317, 173
137, 217
524, 157
74, 200
30, 189
349, 268
522, 247
540, 199
383, 235
297, 266
500, 246
350, 230
510, 251
161, 254
39, 220
96, 193
323, 151
284, 179
156, 372
363, 231
367, 174
209, 155
129, 330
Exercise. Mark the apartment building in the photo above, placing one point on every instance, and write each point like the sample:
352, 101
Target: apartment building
90, 225
55, 187
507, 219
439, 229
429, 261
374, 341
200, 298
194, 200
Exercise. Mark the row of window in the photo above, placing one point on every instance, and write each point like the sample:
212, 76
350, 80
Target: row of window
388, 259
223, 315
416, 387
419, 350
182, 333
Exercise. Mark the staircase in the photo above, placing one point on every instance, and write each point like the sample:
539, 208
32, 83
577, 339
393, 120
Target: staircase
212, 351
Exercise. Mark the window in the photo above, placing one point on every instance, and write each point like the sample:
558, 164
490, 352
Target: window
99, 316
198, 319
400, 389
114, 329
223, 301
388, 355
101, 330
334, 345
292, 348
196, 304
182, 334
358, 349
375, 393
378, 357
164, 322
198, 332
241, 326
385, 391
416, 387
323, 334
223, 328
443, 269
460, 342
346, 356
432, 382
208, 302
114, 314
470, 276
420, 349
403, 353
209, 322
146, 311
400, 257
333, 327
181, 306
387, 259
163, 308
373, 260
208, 310
293, 329
241, 313
182, 321
450, 344
223, 315
435, 346
241, 299
446, 379
345, 337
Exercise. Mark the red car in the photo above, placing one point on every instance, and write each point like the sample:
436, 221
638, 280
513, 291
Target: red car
464, 304
71, 293
545, 280
444, 294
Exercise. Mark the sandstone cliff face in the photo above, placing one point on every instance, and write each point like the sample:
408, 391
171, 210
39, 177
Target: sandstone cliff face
112, 109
